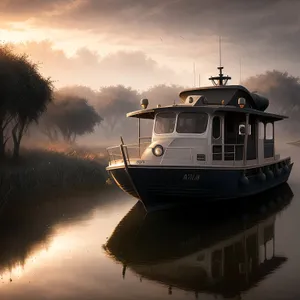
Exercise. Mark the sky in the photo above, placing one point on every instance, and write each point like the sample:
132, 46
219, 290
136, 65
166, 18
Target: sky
141, 43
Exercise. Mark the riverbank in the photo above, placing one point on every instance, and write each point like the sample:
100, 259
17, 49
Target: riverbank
43, 172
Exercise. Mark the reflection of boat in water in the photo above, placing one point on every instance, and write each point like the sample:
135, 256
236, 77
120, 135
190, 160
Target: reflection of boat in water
222, 253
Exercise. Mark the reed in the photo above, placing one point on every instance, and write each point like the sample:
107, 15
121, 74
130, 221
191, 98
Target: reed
48, 171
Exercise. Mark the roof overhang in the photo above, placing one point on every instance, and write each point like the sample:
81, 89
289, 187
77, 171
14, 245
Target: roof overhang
264, 116
150, 113
142, 114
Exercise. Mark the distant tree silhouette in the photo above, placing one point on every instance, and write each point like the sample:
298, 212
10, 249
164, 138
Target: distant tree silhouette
24, 97
163, 94
69, 117
113, 102
283, 91
79, 91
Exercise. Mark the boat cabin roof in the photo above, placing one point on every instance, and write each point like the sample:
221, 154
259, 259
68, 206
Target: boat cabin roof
216, 99
213, 93
212, 109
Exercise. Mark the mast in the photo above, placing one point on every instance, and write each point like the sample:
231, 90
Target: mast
221, 79
220, 51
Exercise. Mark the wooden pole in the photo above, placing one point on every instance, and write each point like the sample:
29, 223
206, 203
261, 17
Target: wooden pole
124, 156
139, 135
273, 128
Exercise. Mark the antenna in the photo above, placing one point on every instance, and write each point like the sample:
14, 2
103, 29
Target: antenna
199, 80
220, 51
221, 79
194, 74
240, 70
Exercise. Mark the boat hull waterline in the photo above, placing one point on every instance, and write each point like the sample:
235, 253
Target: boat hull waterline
165, 186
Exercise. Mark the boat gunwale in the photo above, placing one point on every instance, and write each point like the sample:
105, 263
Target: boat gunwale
206, 167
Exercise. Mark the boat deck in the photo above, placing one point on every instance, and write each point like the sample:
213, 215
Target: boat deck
134, 157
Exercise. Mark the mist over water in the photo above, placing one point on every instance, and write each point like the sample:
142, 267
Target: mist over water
103, 246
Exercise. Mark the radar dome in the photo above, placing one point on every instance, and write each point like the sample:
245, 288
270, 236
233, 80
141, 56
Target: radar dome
260, 101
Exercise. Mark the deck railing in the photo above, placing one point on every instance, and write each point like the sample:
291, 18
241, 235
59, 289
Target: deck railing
131, 151
231, 155
222, 154
228, 152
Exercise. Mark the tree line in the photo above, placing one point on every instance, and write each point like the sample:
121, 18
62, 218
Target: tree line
29, 98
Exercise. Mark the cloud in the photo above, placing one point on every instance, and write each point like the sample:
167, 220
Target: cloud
265, 33
23, 10
262, 23
144, 19
88, 68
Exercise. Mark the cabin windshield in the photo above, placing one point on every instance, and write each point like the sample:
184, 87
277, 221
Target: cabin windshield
165, 122
192, 122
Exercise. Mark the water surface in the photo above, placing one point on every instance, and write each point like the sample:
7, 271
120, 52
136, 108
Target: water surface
104, 246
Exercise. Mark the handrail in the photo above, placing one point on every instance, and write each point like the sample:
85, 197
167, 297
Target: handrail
115, 153
135, 151
223, 153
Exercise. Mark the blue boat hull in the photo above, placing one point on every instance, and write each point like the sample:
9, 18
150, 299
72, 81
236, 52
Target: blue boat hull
158, 187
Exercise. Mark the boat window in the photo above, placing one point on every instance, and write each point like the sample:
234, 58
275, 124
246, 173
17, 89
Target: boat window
194, 122
269, 131
216, 127
165, 122
261, 130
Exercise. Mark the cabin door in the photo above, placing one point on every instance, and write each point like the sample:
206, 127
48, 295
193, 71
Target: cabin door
217, 138
252, 140
233, 137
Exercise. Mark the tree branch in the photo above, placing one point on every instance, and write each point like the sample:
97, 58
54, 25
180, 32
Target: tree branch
8, 120
6, 140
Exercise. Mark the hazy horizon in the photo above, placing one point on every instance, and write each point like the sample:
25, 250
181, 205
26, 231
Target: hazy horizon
136, 44
141, 44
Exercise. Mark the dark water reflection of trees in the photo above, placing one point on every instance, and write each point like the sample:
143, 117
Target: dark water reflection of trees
28, 225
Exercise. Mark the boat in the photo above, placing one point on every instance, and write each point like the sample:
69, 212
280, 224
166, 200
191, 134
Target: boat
218, 143
220, 251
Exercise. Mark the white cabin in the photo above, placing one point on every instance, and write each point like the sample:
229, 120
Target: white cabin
207, 129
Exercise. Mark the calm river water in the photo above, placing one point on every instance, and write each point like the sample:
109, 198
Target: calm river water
104, 246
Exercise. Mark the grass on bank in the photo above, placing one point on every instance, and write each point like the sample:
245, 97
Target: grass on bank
51, 171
